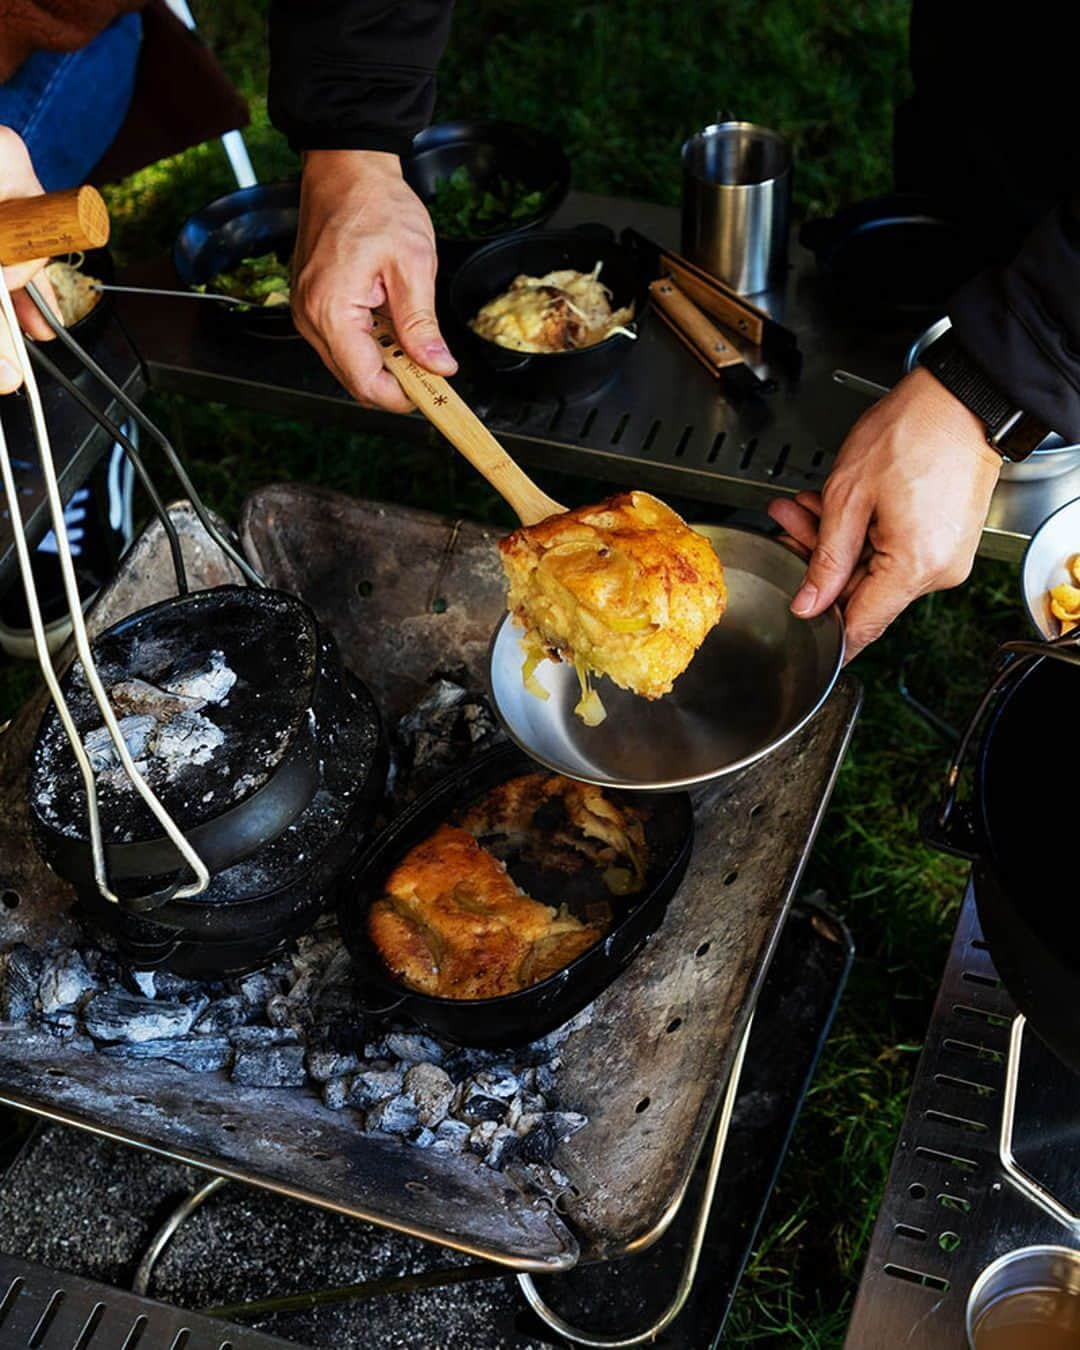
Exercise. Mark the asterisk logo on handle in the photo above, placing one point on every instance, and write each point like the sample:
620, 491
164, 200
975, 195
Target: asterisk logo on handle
439, 400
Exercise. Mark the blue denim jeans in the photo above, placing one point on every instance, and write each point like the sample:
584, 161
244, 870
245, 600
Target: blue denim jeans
68, 106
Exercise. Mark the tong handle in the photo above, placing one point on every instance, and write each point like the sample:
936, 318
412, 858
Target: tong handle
54, 222
733, 311
446, 409
693, 325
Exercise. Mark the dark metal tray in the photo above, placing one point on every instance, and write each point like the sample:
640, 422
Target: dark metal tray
649, 1069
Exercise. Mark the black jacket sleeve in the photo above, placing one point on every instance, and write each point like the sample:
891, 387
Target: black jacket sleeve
354, 74
1021, 322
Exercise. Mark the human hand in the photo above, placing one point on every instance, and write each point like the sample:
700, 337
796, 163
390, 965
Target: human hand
365, 240
17, 179
901, 512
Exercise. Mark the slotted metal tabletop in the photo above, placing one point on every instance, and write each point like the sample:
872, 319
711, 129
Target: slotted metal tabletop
661, 424
949, 1209
42, 1309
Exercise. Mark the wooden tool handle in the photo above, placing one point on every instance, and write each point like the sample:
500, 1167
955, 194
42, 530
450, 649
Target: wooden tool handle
696, 326
55, 222
448, 411
738, 315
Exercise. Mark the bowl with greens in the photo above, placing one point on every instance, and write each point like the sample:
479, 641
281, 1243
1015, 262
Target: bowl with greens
484, 180
241, 245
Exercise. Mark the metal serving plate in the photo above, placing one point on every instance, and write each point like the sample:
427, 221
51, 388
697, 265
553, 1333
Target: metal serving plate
760, 675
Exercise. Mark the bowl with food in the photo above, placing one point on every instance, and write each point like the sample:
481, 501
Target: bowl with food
505, 899
484, 179
240, 245
1050, 573
553, 312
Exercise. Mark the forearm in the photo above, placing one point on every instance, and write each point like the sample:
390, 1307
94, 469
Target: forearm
355, 74
1022, 322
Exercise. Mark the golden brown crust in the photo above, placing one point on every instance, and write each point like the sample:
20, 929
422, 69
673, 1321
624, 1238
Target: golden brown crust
452, 923
600, 829
625, 587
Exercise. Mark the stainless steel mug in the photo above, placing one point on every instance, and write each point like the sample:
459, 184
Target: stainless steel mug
736, 204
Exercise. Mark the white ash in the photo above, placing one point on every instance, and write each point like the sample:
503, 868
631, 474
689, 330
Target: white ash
162, 723
295, 1026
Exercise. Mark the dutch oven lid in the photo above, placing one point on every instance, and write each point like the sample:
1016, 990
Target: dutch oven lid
214, 692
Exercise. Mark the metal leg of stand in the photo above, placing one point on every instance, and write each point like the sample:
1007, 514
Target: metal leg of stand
693, 1256
1024, 1181
167, 1231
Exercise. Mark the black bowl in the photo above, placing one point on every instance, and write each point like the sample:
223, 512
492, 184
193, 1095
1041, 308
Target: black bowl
242, 224
511, 1019
489, 149
490, 271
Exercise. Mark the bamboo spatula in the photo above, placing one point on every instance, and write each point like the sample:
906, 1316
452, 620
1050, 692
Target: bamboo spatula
448, 411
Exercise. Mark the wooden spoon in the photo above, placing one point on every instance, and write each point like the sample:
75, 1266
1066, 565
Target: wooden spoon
448, 411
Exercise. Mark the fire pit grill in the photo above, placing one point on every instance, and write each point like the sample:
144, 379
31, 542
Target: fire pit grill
408, 594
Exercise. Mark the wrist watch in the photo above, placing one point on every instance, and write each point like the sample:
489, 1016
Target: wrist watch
1011, 431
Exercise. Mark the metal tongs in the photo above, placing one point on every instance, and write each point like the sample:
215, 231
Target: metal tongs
38, 227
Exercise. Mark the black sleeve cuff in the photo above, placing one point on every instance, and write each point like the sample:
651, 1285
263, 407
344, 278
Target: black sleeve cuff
1021, 323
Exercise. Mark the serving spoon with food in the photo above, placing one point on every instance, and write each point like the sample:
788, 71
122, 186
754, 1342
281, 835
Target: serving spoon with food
624, 588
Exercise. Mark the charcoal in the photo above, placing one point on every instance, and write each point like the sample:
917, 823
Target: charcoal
20, 971
188, 738
211, 684
503, 1143
257, 1038
323, 1065
138, 733
526, 1122
565, 1123
414, 1048
63, 1024
142, 982
544, 1077
116, 1016
498, 1083
473, 1104
65, 983
538, 1145
374, 1085
451, 1136
259, 987
223, 1014
200, 1054
422, 1138
270, 1067
139, 698
482, 1136
432, 1089
178, 988
335, 1093
394, 1115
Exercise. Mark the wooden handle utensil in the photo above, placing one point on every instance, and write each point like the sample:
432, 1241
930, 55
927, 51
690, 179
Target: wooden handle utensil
55, 222
696, 329
448, 411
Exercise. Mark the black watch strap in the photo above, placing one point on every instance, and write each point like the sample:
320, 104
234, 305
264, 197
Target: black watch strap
1012, 432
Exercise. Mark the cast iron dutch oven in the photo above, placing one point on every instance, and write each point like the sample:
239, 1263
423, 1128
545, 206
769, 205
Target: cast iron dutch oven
1016, 826
489, 273
512, 1019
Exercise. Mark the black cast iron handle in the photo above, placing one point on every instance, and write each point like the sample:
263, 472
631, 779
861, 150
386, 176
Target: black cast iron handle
143, 904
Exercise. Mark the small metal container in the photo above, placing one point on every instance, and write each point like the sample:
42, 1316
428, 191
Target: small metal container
1050, 458
736, 204
1028, 1269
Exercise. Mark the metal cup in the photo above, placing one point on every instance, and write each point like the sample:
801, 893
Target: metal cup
736, 204
1021, 1271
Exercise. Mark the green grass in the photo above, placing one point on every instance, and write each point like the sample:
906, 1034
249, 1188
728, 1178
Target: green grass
622, 84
